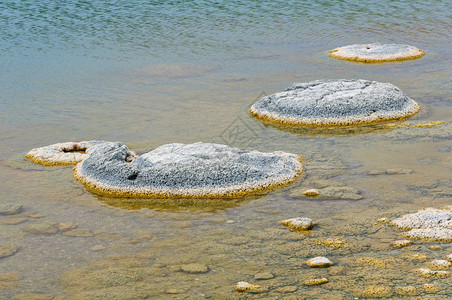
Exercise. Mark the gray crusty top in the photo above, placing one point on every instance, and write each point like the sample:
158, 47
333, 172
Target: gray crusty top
335, 102
179, 170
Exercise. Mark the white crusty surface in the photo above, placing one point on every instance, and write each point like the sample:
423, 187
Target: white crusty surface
62, 153
335, 102
376, 52
179, 170
430, 223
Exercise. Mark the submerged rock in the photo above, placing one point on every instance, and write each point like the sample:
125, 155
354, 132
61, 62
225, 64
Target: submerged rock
340, 192
42, 228
335, 102
311, 193
316, 281
298, 223
179, 170
69, 153
9, 208
286, 289
194, 268
430, 223
6, 251
263, 276
374, 53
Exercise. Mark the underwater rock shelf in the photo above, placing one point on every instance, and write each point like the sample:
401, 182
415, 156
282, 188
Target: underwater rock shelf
335, 103
376, 53
199, 170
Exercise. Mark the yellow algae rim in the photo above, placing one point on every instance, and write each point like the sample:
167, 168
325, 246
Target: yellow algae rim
361, 59
49, 163
229, 192
333, 122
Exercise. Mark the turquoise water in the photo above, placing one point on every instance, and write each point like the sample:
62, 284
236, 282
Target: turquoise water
153, 72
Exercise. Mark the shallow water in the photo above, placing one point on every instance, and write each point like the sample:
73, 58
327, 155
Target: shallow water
146, 74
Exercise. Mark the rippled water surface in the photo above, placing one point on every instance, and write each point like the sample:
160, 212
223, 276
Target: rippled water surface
148, 73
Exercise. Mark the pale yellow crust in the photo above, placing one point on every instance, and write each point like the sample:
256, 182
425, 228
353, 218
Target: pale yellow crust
47, 163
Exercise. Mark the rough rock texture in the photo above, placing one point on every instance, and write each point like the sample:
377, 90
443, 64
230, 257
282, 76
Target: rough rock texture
316, 281
69, 153
7, 251
243, 286
432, 273
179, 170
430, 223
9, 208
194, 268
402, 243
374, 53
335, 102
440, 264
298, 223
311, 193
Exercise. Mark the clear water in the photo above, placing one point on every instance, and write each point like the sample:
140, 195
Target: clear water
153, 72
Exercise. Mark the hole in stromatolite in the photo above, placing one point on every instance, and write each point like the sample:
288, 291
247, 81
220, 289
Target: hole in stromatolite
133, 176
75, 148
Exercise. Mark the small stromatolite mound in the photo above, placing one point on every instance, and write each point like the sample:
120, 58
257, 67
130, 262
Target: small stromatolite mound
440, 264
9, 208
298, 223
311, 193
335, 103
69, 153
178, 170
319, 262
376, 53
316, 281
6, 251
194, 268
429, 224
401, 243
243, 286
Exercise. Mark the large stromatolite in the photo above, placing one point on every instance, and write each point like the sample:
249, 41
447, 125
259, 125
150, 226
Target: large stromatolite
335, 102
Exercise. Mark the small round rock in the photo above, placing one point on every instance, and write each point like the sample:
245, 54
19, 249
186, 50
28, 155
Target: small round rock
319, 262
243, 286
402, 243
298, 223
376, 53
311, 193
